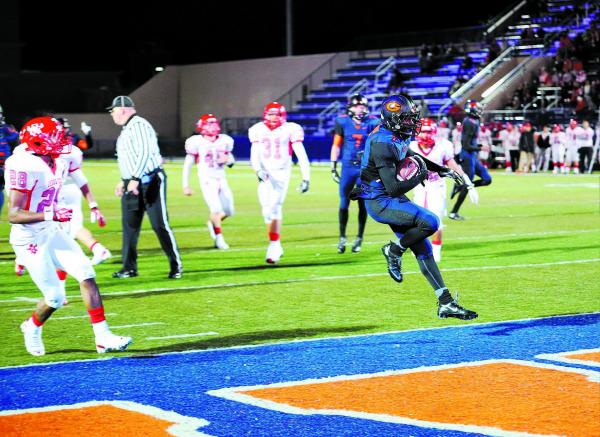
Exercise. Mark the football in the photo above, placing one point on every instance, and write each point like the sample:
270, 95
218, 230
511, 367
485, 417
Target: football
407, 169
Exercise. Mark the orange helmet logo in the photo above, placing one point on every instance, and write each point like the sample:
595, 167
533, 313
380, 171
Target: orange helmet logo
393, 106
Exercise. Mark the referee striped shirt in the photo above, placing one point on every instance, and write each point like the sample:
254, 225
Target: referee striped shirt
137, 149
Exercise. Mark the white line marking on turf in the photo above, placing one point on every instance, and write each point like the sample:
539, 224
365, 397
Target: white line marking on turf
182, 425
309, 340
325, 278
236, 394
563, 358
486, 237
200, 334
78, 317
136, 325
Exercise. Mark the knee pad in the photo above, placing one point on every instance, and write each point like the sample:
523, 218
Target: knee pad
54, 296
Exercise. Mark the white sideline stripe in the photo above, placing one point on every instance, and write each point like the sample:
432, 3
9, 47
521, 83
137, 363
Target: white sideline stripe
324, 278
136, 325
79, 317
561, 357
309, 340
236, 394
182, 425
200, 334
488, 237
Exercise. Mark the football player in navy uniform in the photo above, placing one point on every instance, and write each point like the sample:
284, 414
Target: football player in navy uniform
386, 202
468, 157
8, 134
351, 131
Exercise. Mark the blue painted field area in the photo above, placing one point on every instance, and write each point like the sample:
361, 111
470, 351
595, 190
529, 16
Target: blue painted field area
179, 382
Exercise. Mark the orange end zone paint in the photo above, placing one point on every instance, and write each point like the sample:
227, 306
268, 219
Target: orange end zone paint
105, 420
507, 396
589, 356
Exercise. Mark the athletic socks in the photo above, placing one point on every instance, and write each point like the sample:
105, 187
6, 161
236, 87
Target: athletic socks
431, 272
273, 236
343, 219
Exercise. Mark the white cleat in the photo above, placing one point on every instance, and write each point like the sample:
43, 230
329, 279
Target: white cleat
211, 230
220, 242
33, 338
274, 252
110, 342
101, 256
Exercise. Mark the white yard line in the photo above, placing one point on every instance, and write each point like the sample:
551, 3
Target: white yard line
136, 325
324, 278
79, 317
200, 334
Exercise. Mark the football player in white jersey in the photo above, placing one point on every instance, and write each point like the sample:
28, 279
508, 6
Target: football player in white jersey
76, 185
558, 141
272, 142
456, 137
35, 178
212, 151
432, 195
485, 140
572, 132
509, 137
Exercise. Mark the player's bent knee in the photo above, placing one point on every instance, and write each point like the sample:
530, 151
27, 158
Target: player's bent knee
54, 297
422, 250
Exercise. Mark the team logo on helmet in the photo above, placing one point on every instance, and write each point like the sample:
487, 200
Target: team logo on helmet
393, 106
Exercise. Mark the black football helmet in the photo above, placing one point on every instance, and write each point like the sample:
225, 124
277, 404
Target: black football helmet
473, 109
355, 100
400, 114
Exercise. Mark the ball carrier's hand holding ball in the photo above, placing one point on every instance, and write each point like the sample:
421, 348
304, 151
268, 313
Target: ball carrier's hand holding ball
410, 168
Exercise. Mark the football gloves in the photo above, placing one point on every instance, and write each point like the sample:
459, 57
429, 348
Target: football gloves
85, 128
334, 173
62, 215
96, 216
262, 175
471, 191
449, 173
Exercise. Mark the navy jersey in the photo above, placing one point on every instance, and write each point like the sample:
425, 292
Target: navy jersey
354, 135
470, 133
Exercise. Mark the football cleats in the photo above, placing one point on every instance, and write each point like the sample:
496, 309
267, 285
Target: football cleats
274, 115
400, 114
45, 136
426, 136
208, 125
358, 106
473, 109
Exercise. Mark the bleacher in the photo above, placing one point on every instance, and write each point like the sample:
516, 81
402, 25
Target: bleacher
371, 76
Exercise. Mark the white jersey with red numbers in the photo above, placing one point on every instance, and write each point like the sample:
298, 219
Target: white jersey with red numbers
584, 137
485, 137
210, 156
274, 147
28, 173
433, 195
557, 145
509, 139
571, 137
74, 160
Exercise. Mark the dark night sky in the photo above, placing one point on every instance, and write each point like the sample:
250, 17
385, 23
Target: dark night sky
111, 35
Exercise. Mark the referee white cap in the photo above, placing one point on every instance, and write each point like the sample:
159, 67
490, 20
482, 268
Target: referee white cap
121, 102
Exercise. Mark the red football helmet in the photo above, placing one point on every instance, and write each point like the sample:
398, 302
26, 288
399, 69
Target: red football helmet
556, 128
443, 123
427, 135
208, 125
572, 123
274, 115
45, 136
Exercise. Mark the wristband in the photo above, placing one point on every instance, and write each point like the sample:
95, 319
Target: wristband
93, 205
48, 215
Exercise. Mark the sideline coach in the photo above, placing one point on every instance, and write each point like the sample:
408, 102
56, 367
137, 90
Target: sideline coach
143, 187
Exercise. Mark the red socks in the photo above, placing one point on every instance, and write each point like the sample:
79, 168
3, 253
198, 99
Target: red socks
273, 236
35, 321
97, 314
217, 230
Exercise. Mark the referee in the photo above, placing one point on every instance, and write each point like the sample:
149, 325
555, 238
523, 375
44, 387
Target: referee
143, 187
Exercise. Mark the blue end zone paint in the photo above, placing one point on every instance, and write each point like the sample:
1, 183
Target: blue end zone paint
179, 382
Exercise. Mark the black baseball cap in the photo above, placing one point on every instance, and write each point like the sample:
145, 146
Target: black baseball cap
121, 102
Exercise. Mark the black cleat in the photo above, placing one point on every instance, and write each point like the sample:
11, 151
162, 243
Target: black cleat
394, 263
122, 274
456, 216
453, 309
341, 247
357, 245
175, 274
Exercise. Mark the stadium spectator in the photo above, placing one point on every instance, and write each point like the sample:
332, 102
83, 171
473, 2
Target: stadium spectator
8, 135
396, 82
40, 244
272, 142
526, 149
585, 141
212, 151
143, 187
386, 201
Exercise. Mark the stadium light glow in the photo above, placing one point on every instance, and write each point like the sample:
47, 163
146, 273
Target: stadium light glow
159, 69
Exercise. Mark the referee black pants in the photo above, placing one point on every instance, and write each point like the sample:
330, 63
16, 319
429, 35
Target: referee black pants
153, 200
